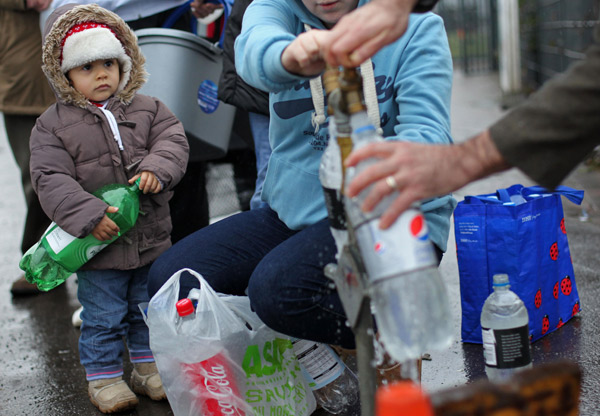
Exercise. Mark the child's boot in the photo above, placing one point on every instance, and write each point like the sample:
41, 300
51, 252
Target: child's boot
146, 380
111, 395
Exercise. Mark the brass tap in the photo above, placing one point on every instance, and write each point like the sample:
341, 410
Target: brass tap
331, 82
351, 85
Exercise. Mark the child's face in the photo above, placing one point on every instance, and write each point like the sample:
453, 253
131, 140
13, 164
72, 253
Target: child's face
97, 80
330, 11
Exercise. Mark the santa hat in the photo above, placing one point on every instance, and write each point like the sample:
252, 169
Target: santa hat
90, 41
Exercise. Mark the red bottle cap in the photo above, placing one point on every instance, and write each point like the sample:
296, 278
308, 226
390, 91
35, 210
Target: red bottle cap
402, 398
184, 307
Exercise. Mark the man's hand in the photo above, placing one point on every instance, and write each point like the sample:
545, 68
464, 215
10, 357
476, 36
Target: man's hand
148, 183
420, 171
361, 33
106, 228
303, 56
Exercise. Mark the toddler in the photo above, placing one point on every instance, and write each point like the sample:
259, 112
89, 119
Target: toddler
99, 132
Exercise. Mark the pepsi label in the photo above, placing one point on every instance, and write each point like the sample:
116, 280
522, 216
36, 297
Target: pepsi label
403, 247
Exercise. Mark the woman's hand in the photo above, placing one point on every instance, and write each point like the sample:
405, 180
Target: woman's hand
201, 9
303, 56
38, 5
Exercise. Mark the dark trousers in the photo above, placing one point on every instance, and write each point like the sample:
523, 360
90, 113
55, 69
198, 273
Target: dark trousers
282, 270
18, 130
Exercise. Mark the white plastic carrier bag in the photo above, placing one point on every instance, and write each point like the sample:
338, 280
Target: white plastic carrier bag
222, 359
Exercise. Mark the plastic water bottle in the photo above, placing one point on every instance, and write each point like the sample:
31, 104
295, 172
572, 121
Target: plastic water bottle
213, 379
58, 254
505, 332
410, 300
334, 385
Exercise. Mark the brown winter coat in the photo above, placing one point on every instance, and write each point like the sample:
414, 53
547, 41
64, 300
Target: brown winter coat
23, 87
73, 152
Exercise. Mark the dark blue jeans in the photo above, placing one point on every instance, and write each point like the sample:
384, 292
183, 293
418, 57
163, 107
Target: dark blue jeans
110, 300
282, 270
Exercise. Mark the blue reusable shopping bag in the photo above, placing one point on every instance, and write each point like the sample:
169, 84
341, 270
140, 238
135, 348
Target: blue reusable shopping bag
519, 231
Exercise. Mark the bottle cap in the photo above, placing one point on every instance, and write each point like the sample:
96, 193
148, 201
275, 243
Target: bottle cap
184, 307
402, 398
501, 280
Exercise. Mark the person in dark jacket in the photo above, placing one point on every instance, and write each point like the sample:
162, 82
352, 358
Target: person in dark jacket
235, 91
100, 132
24, 95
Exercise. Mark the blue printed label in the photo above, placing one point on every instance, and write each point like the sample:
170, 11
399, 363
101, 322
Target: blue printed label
207, 96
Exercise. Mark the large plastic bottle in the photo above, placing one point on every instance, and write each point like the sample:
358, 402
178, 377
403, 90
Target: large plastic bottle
334, 385
213, 379
505, 331
409, 297
58, 254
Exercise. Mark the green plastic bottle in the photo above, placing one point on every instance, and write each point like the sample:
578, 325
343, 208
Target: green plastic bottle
58, 254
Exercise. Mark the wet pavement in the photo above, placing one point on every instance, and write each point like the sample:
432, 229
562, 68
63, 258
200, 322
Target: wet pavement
40, 371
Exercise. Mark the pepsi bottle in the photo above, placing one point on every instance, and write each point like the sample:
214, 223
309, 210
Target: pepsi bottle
408, 295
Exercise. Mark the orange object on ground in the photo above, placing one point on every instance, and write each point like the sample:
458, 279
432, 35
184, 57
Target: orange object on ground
402, 398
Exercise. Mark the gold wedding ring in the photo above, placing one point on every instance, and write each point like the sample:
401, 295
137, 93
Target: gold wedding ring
391, 182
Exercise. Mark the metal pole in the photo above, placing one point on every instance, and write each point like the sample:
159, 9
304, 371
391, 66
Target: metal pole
365, 354
349, 274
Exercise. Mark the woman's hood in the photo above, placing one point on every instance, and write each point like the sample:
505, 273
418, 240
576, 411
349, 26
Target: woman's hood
57, 26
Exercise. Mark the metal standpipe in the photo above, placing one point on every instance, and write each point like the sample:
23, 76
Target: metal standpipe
349, 274
352, 287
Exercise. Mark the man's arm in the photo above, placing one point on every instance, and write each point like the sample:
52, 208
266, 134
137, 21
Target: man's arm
550, 133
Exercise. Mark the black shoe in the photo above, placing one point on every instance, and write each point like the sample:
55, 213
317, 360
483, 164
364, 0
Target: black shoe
21, 287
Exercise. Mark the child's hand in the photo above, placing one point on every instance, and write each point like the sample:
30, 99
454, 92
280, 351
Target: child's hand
304, 55
106, 228
148, 183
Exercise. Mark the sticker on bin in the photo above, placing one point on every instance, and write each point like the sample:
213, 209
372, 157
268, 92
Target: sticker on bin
207, 96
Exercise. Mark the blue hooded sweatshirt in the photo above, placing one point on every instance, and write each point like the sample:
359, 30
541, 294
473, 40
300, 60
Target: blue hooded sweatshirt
413, 78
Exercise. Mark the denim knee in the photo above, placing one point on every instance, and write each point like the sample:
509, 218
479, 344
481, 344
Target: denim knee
266, 302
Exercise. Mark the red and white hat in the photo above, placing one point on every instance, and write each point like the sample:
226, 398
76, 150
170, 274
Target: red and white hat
89, 41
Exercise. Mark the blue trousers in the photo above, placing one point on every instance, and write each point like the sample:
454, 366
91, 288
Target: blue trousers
259, 124
281, 269
110, 300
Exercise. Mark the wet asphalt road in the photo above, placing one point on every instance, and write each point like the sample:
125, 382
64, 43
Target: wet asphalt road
40, 372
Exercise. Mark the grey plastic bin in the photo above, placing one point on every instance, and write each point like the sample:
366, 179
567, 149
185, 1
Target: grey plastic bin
184, 74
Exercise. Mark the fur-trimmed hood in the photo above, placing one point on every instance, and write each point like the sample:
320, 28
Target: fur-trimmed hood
57, 26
